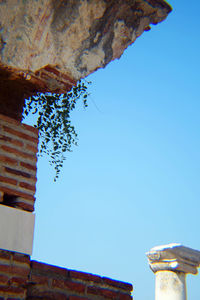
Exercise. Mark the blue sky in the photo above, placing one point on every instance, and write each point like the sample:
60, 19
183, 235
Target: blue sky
133, 181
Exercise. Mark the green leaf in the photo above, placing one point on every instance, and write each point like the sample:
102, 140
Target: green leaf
52, 118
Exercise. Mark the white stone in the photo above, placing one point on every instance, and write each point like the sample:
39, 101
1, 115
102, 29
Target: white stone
170, 286
171, 263
16, 230
174, 257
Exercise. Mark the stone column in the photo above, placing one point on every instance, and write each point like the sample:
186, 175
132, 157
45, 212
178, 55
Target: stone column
171, 263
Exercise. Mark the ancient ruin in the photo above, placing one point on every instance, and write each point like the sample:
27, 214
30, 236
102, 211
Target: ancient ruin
47, 46
171, 263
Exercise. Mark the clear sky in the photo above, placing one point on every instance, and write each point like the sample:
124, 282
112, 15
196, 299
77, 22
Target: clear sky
133, 181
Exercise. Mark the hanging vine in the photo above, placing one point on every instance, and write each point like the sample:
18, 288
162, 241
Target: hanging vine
56, 132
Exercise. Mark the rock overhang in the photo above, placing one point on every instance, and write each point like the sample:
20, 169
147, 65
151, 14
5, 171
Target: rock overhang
48, 45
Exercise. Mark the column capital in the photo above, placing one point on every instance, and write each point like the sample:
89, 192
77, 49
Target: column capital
174, 257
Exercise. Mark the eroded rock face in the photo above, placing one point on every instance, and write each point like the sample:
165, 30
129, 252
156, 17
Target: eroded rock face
47, 45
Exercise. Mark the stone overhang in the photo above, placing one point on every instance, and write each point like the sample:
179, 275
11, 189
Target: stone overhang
48, 45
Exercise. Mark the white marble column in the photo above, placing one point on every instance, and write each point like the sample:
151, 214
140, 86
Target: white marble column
171, 263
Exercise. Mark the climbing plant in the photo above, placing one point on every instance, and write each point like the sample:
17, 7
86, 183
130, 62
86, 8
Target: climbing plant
56, 132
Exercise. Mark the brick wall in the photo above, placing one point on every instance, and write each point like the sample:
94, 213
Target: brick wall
18, 149
21, 278
51, 79
14, 273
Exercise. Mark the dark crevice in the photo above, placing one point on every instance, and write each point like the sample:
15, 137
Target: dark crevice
9, 200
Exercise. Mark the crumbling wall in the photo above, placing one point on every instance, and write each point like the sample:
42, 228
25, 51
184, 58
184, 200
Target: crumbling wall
18, 157
46, 46
21, 278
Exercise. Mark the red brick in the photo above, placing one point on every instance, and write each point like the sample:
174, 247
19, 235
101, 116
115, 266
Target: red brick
18, 152
102, 292
36, 294
28, 166
1, 196
23, 272
12, 141
8, 160
39, 279
17, 193
119, 284
124, 296
21, 258
24, 206
32, 148
18, 281
3, 279
77, 298
69, 79
11, 290
67, 86
70, 285
5, 255
84, 276
12, 299
35, 265
44, 75
75, 287
8, 180
17, 172
58, 283
30, 128
42, 86
9, 120
20, 134
50, 69
27, 186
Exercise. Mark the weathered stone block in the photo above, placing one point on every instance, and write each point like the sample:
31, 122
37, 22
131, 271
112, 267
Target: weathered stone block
48, 45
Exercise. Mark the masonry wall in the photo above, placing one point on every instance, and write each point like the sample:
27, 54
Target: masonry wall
18, 149
14, 274
21, 278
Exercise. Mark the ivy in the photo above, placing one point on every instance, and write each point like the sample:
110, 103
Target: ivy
56, 132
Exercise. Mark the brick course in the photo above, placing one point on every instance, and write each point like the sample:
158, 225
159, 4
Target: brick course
22, 279
14, 273
18, 158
